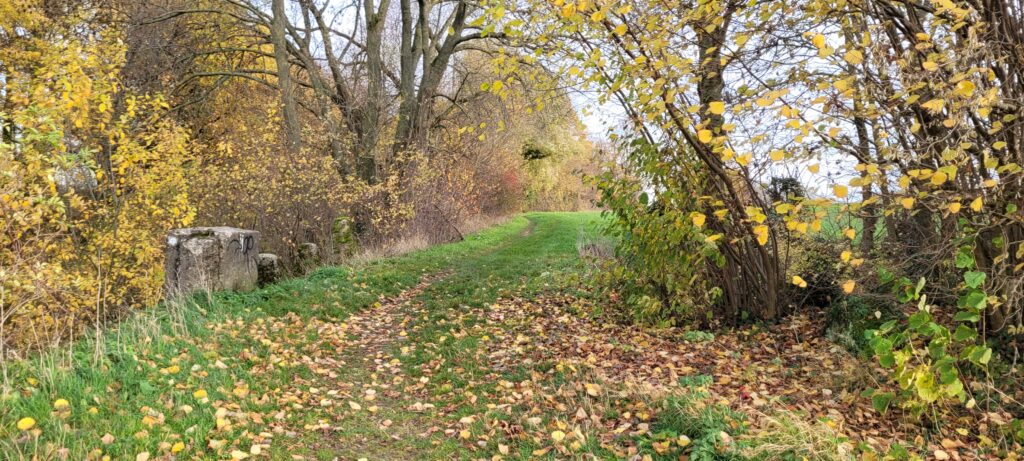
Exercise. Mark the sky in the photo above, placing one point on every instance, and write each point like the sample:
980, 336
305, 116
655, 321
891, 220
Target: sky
598, 118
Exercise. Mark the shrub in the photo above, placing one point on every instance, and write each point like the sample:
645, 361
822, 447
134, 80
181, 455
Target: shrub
90, 180
659, 272
816, 260
849, 318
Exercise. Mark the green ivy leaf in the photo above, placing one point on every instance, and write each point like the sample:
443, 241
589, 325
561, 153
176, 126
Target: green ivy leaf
966, 316
975, 299
880, 401
955, 388
974, 279
919, 319
965, 333
981, 355
964, 258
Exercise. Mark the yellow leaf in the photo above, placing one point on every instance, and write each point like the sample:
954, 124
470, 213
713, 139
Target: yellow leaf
178, 447
777, 155
698, 220
60, 404
819, 41
25, 424
854, 57
939, 178
716, 107
850, 233
799, 281
929, 66
848, 286
999, 145
840, 190
620, 29
761, 232
935, 105
845, 255
593, 390
954, 207
704, 136
965, 88
199, 394
558, 436
597, 16
814, 168
976, 204
907, 202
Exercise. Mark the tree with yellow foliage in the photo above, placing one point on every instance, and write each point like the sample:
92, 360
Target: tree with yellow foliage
90, 177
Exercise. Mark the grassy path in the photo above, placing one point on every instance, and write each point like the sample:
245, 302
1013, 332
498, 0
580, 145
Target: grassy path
483, 349
346, 363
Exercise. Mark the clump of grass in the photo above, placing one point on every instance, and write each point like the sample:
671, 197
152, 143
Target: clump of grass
594, 247
791, 436
697, 336
690, 424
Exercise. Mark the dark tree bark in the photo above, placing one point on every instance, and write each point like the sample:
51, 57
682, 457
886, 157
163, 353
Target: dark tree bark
278, 39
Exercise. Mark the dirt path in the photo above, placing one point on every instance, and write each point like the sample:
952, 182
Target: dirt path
373, 417
375, 329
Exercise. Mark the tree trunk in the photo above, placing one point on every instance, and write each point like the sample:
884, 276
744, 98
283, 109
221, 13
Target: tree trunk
366, 158
284, 78
750, 278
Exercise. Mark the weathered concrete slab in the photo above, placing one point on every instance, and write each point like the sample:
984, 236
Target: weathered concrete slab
211, 258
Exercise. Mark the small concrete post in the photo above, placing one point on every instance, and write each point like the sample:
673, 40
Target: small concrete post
343, 238
308, 256
269, 267
211, 258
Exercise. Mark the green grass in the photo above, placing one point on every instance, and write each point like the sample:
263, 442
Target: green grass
137, 382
